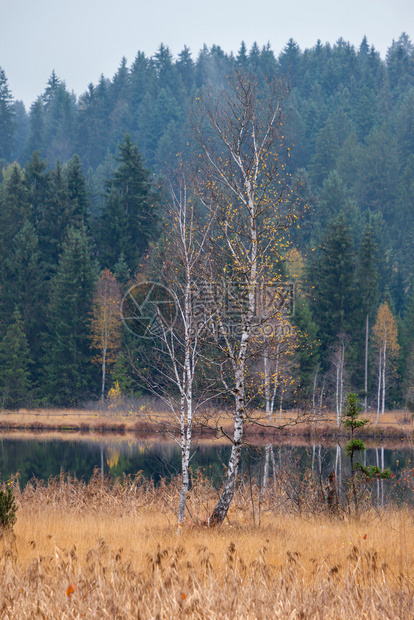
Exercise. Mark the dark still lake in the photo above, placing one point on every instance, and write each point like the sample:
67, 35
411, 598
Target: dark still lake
42, 458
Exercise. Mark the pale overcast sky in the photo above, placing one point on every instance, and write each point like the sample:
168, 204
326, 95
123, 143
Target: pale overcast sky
81, 39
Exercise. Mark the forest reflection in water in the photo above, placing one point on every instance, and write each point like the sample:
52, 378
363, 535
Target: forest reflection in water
156, 459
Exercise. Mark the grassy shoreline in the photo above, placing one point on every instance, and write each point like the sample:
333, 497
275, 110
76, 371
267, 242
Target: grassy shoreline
393, 425
112, 549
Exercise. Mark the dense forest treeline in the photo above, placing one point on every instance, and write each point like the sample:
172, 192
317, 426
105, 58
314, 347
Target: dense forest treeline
80, 201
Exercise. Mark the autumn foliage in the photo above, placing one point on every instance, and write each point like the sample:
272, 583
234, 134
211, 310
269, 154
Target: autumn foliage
106, 323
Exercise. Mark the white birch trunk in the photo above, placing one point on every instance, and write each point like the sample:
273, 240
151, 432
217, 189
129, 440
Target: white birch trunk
315, 383
338, 416
266, 466
103, 375
379, 386
220, 511
384, 362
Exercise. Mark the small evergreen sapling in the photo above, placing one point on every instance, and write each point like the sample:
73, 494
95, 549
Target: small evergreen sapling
8, 509
351, 421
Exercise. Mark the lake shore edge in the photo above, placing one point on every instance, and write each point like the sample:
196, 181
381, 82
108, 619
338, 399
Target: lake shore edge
392, 426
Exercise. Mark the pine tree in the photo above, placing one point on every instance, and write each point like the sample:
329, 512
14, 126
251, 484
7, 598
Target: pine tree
332, 274
37, 180
56, 219
68, 368
23, 283
60, 124
306, 354
326, 151
51, 88
289, 60
77, 192
15, 362
186, 68
407, 353
368, 279
405, 127
36, 139
334, 199
14, 206
7, 120
128, 219
402, 222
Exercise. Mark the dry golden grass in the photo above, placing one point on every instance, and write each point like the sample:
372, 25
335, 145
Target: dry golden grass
145, 418
113, 550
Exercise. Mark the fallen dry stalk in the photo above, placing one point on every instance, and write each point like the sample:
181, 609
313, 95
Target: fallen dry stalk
112, 550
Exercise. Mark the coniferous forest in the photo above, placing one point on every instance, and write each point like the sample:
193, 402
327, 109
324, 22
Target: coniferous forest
81, 211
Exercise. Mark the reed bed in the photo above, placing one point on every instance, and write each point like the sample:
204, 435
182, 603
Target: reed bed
112, 549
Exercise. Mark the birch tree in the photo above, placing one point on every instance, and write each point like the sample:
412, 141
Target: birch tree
175, 354
277, 377
385, 334
242, 179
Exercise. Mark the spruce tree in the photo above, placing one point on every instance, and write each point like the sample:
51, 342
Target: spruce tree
15, 362
306, 355
14, 207
333, 279
25, 287
37, 180
367, 279
36, 139
56, 219
7, 120
128, 220
77, 192
68, 367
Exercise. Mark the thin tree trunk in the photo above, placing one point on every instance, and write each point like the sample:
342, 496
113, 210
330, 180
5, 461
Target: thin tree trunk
269, 404
379, 386
266, 466
315, 383
185, 479
187, 397
321, 397
341, 384
384, 361
281, 407
103, 375
338, 417
366, 363
221, 509
272, 456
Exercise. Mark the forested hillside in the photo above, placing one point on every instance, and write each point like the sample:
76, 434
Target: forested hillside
80, 203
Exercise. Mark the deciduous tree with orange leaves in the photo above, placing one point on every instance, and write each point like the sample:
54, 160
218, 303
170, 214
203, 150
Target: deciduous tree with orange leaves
106, 323
385, 334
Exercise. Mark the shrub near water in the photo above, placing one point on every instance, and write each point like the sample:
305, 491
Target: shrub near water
112, 549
